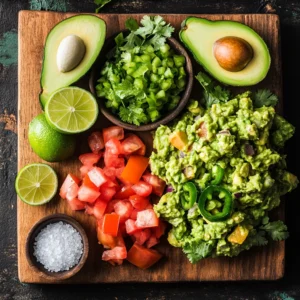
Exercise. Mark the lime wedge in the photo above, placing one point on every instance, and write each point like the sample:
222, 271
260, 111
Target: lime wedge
36, 184
71, 110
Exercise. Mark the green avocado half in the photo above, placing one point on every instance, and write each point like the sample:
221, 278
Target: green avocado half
199, 36
91, 30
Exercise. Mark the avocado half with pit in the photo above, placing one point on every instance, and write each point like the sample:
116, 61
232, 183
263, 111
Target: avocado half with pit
71, 48
230, 51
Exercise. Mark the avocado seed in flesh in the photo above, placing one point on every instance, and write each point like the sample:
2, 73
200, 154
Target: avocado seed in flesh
232, 53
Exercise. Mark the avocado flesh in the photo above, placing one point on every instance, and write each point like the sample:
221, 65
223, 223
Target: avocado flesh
199, 36
92, 30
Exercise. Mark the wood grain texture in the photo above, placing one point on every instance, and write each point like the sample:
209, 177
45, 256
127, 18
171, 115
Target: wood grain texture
265, 263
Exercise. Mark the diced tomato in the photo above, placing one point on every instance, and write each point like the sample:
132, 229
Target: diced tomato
113, 132
113, 146
152, 241
70, 179
124, 209
110, 206
111, 224
89, 159
142, 188
85, 169
139, 202
110, 173
113, 160
72, 191
133, 215
95, 141
131, 227
131, 144
88, 193
76, 204
158, 185
97, 209
143, 257
107, 240
160, 229
125, 192
107, 192
97, 176
146, 219
115, 253
87, 182
110, 184
141, 236
122, 229
135, 168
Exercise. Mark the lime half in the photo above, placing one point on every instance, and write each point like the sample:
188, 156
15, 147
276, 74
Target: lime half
71, 110
36, 184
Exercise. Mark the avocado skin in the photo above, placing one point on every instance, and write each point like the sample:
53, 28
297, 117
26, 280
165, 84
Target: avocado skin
76, 76
184, 27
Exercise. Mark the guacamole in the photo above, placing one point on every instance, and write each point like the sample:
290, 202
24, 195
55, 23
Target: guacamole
246, 145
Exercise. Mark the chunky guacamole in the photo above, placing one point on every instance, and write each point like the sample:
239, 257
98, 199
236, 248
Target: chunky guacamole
232, 152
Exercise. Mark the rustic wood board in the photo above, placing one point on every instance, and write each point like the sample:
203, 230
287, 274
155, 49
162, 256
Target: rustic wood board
265, 263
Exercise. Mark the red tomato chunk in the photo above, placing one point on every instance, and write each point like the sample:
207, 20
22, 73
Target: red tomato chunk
97, 176
95, 141
89, 159
113, 132
143, 257
115, 254
142, 188
123, 208
158, 185
70, 179
146, 218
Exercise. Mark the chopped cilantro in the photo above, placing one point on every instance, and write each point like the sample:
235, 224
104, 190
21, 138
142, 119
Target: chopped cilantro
212, 93
264, 97
276, 230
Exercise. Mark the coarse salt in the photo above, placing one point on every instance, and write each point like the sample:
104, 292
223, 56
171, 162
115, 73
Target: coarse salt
58, 247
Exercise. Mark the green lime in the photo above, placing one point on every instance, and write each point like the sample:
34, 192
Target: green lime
48, 143
36, 184
71, 110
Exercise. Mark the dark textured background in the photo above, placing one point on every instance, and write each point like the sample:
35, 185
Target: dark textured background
287, 288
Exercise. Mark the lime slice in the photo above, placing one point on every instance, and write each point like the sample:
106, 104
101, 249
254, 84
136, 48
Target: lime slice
36, 184
71, 110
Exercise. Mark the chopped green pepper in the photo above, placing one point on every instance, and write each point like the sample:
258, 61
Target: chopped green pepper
189, 196
207, 195
218, 174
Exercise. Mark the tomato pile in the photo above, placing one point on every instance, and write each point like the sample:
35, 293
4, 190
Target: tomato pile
118, 196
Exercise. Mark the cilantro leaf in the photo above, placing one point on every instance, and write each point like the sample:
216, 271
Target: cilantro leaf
276, 230
133, 115
131, 24
197, 250
153, 31
212, 93
259, 239
101, 3
264, 97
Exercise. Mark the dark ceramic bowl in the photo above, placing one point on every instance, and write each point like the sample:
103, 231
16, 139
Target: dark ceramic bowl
185, 95
36, 229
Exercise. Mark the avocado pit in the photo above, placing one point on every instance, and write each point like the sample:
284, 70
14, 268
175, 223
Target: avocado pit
232, 53
70, 53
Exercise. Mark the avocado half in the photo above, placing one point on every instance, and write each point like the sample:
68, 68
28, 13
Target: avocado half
199, 36
92, 30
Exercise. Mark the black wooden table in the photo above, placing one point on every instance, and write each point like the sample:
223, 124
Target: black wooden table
287, 288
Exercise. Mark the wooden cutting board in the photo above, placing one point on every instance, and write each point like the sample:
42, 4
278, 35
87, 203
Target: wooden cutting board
264, 263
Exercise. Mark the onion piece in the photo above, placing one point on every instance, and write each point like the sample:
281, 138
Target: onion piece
169, 188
